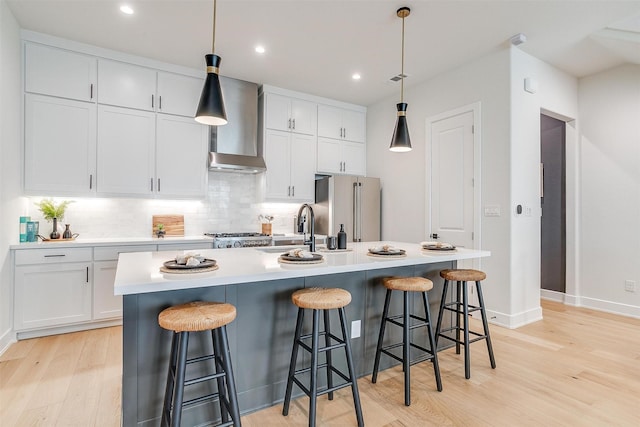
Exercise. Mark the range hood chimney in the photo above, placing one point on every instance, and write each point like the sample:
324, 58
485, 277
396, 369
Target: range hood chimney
234, 146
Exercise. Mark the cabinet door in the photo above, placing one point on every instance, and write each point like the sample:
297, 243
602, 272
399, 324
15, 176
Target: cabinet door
181, 157
277, 112
278, 160
51, 295
106, 305
126, 85
126, 154
59, 146
58, 72
304, 116
354, 158
329, 122
329, 156
303, 167
354, 126
178, 94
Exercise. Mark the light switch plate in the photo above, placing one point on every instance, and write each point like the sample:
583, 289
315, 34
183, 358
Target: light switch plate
492, 210
355, 329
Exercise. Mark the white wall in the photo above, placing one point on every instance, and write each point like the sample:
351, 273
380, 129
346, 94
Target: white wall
10, 158
485, 80
609, 109
557, 92
231, 204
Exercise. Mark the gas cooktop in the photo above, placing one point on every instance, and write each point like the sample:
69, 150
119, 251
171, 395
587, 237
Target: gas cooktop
239, 240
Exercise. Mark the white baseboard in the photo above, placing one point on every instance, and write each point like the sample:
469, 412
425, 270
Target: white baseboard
8, 338
552, 295
66, 329
592, 303
513, 321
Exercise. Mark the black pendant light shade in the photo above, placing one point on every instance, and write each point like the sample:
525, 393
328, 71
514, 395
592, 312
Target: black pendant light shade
211, 107
401, 141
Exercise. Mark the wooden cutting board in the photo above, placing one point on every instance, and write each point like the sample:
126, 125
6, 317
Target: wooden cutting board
173, 224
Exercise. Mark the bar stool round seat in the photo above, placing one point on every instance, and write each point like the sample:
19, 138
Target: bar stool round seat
461, 308
408, 321
463, 275
196, 316
321, 298
409, 284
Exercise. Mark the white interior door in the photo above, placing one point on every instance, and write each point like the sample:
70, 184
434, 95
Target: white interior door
452, 180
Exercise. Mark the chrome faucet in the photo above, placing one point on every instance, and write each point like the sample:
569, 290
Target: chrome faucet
301, 220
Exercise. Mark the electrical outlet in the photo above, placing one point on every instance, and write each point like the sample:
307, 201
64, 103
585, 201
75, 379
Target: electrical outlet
492, 211
355, 329
629, 285
527, 211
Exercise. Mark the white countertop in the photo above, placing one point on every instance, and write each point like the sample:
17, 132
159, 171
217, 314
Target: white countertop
139, 273
81, 242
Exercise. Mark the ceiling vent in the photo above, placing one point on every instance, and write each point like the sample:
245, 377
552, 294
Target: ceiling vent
398, 77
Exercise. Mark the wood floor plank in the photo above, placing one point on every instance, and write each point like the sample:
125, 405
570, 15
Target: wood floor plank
575, 367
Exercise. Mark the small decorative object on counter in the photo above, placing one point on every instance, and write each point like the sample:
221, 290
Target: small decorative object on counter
32, 230
23, 228
53, 212
342, 238
266, 224
160, 232
67, 232
332, 243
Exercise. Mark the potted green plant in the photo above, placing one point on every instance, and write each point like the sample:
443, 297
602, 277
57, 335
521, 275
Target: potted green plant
53, 212
160, 231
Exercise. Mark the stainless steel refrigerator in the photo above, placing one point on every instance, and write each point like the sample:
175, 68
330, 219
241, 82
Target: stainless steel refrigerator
350, 200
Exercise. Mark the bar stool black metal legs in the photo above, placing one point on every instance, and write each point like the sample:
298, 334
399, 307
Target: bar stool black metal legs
318, 299
196, 317
407, 285
461, 307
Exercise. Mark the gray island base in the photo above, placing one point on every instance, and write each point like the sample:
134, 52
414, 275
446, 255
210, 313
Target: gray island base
261, 336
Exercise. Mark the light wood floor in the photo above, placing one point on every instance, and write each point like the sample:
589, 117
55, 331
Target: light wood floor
577, 367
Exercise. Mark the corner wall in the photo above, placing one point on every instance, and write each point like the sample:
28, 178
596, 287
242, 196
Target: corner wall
10, 160
405, 203
609, 105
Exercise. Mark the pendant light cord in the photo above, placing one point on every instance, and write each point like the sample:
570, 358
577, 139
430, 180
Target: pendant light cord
213, 40
402, 67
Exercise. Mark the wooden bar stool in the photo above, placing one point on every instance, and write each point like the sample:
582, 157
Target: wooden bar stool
407, 285
321, 299
199, 316
462, 307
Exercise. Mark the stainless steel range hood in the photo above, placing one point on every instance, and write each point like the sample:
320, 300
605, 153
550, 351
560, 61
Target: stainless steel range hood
234, 146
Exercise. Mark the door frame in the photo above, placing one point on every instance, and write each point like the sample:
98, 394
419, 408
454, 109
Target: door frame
474, 108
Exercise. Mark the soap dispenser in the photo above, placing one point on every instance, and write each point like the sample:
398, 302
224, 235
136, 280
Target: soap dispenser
342, 238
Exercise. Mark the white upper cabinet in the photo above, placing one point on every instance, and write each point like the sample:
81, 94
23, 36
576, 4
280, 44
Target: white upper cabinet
126, 151
341, 123
341, 157
59, 146
181, 157
57, 72
178, 94
291, 163
126, 85
290, 114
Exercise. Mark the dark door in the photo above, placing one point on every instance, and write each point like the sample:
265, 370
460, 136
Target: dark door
553, 201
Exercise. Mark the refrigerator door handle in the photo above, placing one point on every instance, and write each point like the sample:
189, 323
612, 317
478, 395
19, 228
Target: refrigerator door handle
355, 211
359, 211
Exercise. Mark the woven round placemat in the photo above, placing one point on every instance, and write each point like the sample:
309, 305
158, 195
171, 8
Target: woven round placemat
284, 261
387, 256
189, 271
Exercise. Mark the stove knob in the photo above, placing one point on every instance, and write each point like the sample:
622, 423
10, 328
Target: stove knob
237, 244
221, 245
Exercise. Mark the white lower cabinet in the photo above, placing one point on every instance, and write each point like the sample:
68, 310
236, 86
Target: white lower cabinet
106, 305
52, 294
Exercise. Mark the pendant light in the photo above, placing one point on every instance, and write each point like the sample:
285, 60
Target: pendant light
211, 107
401, 141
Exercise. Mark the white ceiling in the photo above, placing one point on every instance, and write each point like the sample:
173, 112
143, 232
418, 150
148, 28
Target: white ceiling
314, 46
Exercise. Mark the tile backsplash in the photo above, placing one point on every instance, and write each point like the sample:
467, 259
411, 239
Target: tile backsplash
231, 205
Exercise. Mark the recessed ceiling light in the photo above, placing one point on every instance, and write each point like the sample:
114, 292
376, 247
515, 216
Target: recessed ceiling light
356, 76
260, 49
126, 9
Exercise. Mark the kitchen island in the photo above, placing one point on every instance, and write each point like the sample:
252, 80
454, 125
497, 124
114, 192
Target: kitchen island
260, 338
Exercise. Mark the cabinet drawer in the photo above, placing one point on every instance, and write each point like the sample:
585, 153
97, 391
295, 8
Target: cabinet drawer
53, 255
110, 253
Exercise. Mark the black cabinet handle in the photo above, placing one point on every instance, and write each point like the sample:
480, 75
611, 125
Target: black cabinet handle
90, 181
91, 91
160, 102
54, 256
87, 274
